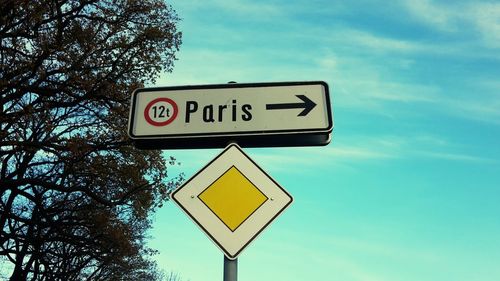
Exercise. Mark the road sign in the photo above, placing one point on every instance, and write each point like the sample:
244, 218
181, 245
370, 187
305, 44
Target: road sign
262, 114
232, 200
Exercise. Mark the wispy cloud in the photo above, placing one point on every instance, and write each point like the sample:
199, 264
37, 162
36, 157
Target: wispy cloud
402, 147
352, 258
250, 8
483, 17
383, 43
486, 17
349, 152
376, 87
301, 159
356, 153
382, 249
436, 16
396, 91
345, 152
485, 109
457, 157
351, 269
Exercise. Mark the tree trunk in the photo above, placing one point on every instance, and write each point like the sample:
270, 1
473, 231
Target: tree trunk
19, 274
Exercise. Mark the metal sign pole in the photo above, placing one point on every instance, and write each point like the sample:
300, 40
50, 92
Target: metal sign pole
230, 269
230, 266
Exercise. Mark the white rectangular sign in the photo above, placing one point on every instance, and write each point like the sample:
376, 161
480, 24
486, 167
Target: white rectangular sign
230, 112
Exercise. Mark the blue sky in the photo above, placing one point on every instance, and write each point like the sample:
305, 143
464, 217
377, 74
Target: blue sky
409, 187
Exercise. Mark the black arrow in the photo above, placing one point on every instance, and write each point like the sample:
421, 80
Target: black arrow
307, 105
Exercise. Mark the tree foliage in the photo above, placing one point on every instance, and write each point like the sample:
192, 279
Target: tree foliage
75, 196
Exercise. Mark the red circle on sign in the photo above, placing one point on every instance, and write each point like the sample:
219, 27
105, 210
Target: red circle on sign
162, 123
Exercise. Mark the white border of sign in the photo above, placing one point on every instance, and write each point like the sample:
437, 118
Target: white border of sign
232, 243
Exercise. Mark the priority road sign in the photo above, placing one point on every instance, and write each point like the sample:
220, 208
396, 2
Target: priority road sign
232, 200
253, 115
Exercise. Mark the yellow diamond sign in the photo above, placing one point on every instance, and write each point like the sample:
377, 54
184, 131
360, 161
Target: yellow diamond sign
232, 200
